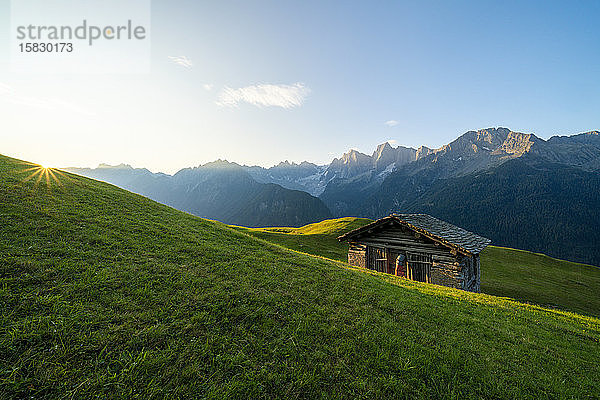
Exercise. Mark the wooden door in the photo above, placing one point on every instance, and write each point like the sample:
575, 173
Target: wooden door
376, 259
392, 256
419, 267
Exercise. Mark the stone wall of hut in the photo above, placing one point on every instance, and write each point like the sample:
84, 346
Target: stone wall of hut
447, 273
357, 255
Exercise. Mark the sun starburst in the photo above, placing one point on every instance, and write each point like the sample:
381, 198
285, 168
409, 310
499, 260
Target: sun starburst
40, 173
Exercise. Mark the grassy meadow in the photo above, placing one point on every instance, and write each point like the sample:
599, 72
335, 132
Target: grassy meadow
318, 239
519, 274
107, 294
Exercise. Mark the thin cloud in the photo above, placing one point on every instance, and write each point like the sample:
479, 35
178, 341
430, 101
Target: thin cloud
265, 95
391, 122
10, 95
182, 60
5, 89
208, 86
393, 142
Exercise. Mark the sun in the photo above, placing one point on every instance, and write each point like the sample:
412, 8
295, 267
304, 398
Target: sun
43, 173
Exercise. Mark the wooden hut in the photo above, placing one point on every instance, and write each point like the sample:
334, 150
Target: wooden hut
419, 247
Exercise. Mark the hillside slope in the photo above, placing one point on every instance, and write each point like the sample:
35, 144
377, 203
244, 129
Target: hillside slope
519, 274
108, 294
318, 239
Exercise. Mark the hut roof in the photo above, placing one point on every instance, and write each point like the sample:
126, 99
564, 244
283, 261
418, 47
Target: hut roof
440, 231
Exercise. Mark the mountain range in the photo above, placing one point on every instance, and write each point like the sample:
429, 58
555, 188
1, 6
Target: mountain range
218, 190
515, 188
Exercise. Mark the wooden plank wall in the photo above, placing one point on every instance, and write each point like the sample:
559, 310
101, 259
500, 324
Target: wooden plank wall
405, 240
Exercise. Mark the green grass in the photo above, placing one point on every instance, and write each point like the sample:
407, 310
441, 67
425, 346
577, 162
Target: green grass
540, 279
522, 275
317, 239
107, 294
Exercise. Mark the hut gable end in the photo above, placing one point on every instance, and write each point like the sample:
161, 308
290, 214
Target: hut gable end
403, 238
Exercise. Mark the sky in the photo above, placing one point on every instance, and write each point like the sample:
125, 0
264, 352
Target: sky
259, 82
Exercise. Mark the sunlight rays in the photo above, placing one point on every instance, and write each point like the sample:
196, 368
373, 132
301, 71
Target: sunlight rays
39, 173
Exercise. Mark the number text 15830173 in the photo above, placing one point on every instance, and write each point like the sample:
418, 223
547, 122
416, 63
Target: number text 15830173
46, 47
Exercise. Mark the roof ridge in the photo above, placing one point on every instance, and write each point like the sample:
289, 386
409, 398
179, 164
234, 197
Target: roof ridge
449, 234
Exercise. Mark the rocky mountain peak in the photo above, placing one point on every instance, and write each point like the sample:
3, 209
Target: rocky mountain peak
351, 163
355, 156
120, 166
497, 141
518, 143
423, 151
592, 137
492, 135
382, 149
220, 164
383, 156
490, 138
